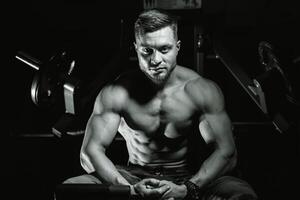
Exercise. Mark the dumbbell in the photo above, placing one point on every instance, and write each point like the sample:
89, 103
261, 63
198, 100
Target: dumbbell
52, 82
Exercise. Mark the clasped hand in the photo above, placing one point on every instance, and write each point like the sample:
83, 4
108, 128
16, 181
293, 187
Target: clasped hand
151, 188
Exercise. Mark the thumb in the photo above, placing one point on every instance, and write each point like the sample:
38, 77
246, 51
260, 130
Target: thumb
152, 182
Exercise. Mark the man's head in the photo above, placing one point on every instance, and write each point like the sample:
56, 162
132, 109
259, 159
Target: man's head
156, 44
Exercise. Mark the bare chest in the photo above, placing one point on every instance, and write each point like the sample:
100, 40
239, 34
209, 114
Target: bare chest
171, 115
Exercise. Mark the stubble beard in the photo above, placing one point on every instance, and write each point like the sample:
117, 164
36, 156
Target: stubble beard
159, 79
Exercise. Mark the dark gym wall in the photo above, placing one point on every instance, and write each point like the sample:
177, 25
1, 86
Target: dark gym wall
90, 31
33, 161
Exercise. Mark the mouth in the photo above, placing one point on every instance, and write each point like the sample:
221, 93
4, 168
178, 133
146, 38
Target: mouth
158, 69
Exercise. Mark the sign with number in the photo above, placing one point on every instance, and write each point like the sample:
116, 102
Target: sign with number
172, 4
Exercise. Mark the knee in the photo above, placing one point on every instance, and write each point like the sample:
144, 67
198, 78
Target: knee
233, 188
82, 179
249, 196
71, 180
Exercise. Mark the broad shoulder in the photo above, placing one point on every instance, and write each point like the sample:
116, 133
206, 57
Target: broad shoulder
205, 93
118, 91
111, 98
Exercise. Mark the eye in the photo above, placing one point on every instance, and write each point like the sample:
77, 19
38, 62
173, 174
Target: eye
164, 49
147, 51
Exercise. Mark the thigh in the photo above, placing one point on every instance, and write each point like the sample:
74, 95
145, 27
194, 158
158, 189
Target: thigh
129, 174
125, 171
230, 187
83, 179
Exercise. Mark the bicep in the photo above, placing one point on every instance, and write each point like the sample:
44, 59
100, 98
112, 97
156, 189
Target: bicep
219, 131
102, 129
215, 124
103, 123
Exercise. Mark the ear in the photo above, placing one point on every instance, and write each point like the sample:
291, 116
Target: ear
178, 45
135, 46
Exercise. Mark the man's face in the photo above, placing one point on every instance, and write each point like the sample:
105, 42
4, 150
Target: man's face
157, 52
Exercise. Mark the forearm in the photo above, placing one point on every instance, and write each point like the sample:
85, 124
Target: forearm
106, 170
214, 166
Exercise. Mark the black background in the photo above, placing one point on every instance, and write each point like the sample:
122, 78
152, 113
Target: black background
34, 161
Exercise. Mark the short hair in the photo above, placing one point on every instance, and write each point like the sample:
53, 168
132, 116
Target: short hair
154, 19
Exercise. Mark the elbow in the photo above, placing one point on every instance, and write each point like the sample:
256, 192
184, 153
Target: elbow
231, 158
86, 159
87, 156
88, 151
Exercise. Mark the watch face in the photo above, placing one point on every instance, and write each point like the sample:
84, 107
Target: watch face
193, 191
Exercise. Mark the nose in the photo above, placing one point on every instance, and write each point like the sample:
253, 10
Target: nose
155, 58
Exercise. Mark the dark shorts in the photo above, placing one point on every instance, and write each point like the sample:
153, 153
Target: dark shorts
228, 187
134, 173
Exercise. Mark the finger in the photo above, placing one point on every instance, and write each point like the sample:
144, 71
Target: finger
150, 193
212, 197
151, 181
163, 189
215, 197
163, 182
166, 194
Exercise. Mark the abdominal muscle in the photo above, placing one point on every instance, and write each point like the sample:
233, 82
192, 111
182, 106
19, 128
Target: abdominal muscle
153, 151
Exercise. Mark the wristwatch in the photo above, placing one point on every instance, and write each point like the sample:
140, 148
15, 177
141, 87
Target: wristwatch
193, 191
